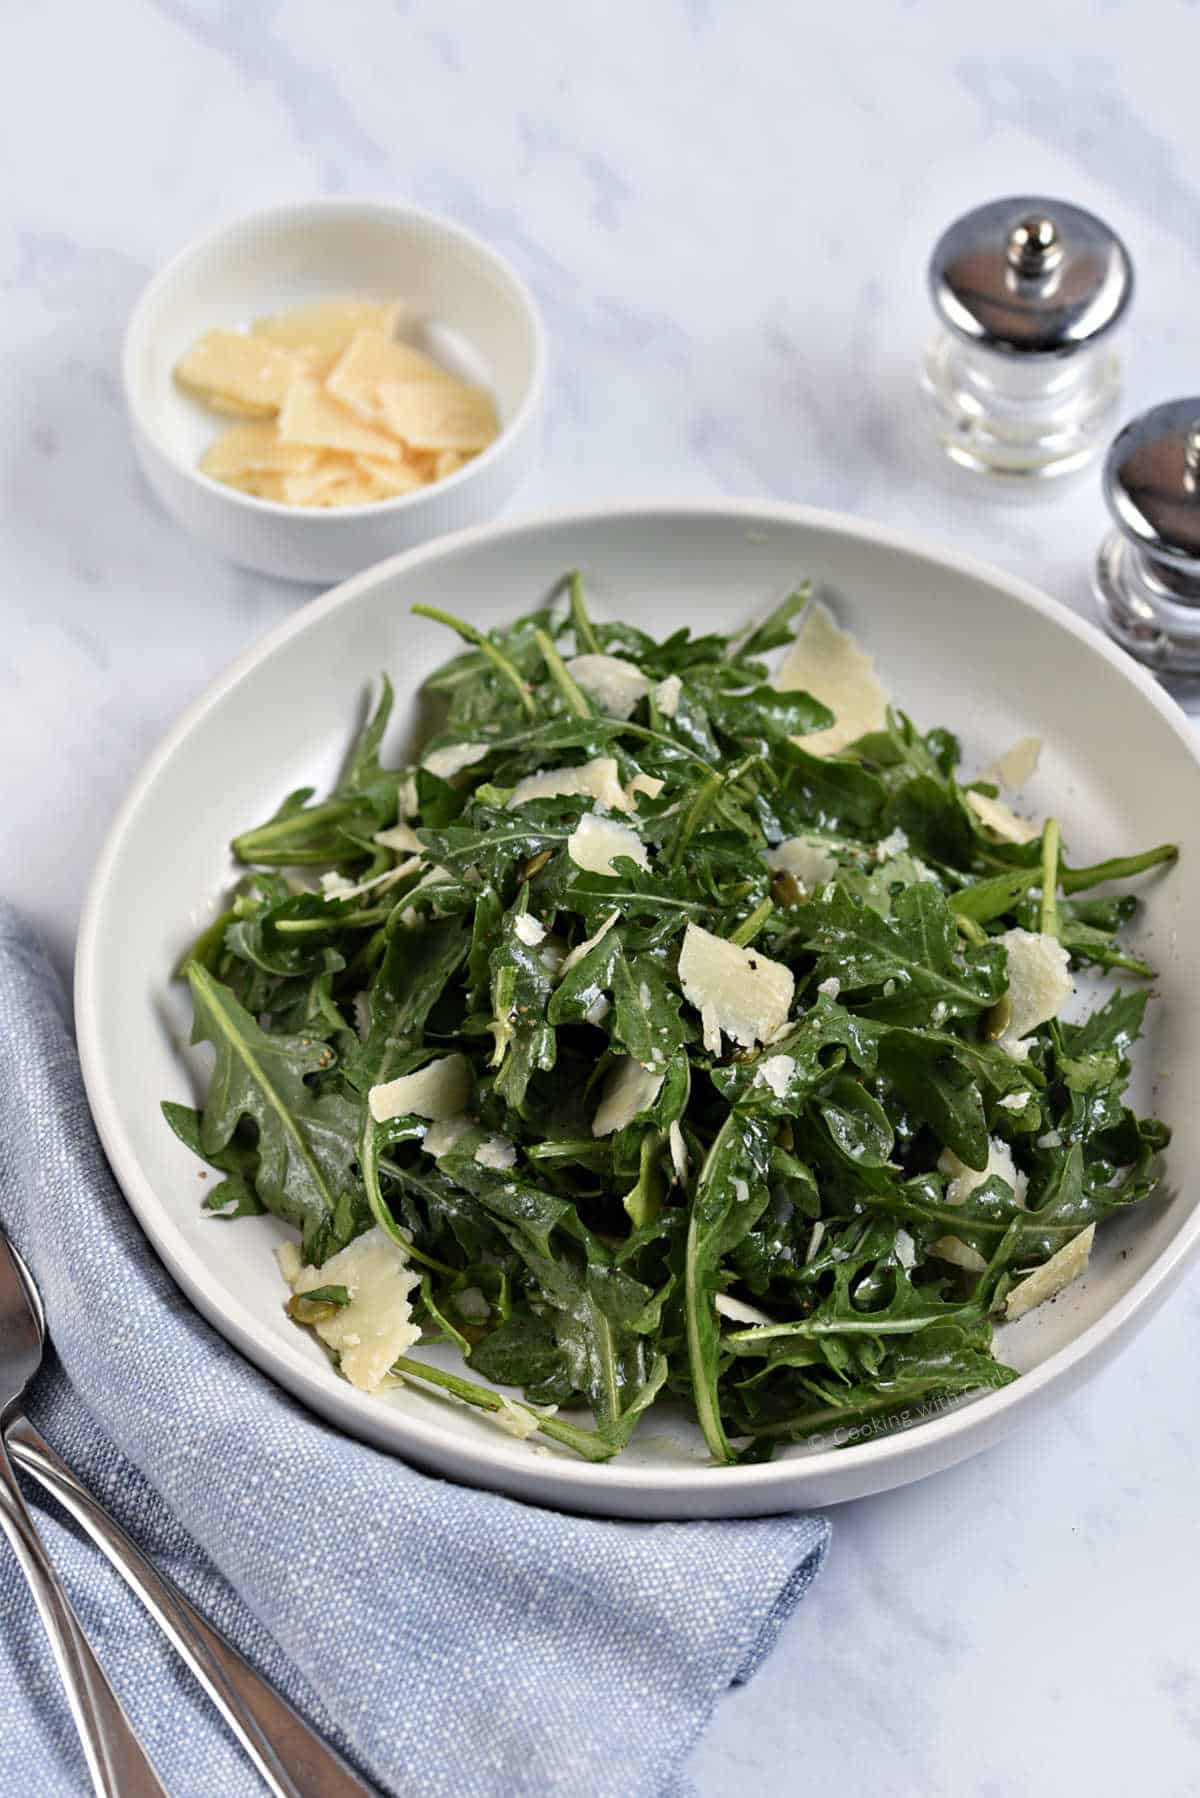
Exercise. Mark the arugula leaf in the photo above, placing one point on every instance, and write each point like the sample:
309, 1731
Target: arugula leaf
306, 1143
730, 1195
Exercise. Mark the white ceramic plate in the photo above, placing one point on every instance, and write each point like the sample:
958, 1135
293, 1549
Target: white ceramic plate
957, 644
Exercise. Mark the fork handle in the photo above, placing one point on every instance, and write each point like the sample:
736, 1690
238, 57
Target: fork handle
293, 1760
116, 1759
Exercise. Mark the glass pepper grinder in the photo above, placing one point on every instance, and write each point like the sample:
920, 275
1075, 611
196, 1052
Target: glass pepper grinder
1148, 571
1023, 377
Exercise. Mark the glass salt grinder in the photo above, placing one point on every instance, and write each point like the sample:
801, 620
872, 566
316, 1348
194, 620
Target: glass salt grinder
1023, 376
1148, 571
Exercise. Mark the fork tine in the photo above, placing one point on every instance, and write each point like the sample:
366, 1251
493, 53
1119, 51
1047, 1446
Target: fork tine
32, 1292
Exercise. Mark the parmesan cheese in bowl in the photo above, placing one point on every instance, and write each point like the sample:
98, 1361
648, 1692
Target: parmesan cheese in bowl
336, 410
320, 385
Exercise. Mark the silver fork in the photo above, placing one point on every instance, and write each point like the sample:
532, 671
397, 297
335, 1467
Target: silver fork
292, 1759
116, 1759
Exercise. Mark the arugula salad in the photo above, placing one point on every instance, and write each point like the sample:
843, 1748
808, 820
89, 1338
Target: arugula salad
670, 1027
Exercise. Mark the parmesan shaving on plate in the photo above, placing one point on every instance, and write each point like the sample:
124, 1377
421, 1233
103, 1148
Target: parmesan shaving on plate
375, 1327
667, 695
1016, 766
614, 684
597, 779
739, 991
587, 945
738, 1311
628, 1089
441, 1137
448, 762
1039, 985
1000, 1165
1053, 1275
806, 859
436, 1091
1001, 820
594, 843
828, 663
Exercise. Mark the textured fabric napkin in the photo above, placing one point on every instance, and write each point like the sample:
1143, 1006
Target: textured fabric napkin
448, 1641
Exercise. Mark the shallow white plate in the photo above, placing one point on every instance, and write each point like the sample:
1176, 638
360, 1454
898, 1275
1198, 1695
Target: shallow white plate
957, 644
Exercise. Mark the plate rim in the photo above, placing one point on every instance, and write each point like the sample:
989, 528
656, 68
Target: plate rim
611, 1488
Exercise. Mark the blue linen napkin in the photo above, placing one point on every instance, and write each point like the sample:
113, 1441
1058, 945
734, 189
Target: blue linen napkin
448, 1641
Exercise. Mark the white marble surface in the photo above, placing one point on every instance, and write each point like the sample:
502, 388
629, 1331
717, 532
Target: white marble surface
725, 211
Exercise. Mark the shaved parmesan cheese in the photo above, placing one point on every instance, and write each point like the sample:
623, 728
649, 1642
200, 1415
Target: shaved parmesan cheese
894, 844
336, 480
1014, 1101
471, 1304
667, 695
245, 373
1045, 1281
596, 780
830, 987
254, 447
336, 886
814, 1241
595, 841
410, 917
290, 1260
959, 1254
441, 1137
739, 991
376, 1326
806, 859
679, 1154
369, 359
1016, 765
308, 415
390, 478
437, 1091
406, 794
964, 1179
649, 784
738, 1311
905, 1249
551, 956
828, 663
616, 686
588, 944
496, 1152
628, 1089
400, 837
1001, 820
529, 930
775, 1072
598, 1010
326, 327
439, 415
448, 762
516, 1419
1039, 985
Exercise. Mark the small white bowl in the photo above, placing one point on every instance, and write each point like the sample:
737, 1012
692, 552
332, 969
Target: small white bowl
474, 314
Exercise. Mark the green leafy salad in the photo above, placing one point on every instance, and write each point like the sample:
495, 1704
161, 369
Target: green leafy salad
670, 1028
